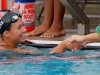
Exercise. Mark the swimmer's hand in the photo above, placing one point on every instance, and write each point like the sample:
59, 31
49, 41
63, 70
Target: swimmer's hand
76, 42
73, 43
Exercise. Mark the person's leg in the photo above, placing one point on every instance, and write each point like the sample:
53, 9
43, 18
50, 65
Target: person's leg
57, 26
48, 18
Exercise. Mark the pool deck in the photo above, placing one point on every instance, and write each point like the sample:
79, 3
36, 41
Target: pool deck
60, 38
69, 33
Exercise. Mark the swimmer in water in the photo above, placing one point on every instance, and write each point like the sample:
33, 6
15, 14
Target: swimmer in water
12, 31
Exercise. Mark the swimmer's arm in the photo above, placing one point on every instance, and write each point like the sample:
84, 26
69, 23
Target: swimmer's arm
60, 48
24, 51
29, 51
13, 49
84, 39
91, 38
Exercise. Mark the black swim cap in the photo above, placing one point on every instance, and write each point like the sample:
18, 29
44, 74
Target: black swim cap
6, 18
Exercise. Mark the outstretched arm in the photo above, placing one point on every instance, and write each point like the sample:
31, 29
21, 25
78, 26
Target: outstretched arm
75, 42
91, 38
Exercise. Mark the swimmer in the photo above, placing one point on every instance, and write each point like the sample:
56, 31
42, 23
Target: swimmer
12, 31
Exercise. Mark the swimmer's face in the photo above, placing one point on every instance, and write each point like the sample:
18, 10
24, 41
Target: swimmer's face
17, 31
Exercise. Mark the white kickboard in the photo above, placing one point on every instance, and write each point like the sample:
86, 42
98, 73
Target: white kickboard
46, 42
58, 42
93, 44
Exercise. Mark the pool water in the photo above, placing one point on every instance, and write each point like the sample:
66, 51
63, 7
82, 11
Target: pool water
12, 63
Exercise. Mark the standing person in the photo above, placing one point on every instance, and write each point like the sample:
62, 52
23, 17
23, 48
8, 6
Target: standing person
52, 25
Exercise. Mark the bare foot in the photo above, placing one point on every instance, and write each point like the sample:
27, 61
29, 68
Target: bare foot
54, 32
38, 31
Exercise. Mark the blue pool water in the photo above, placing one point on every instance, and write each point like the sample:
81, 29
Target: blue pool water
12, 63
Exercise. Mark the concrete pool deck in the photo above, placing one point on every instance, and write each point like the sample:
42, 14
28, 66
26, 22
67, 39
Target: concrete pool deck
69, 33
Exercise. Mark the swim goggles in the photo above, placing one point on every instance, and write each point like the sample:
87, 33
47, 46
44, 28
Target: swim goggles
15, 17
98, 30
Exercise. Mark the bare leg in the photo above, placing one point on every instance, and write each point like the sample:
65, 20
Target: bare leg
48, 18
57, 26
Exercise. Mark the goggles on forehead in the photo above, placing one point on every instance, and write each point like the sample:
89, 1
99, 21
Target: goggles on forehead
15, 17
7, 17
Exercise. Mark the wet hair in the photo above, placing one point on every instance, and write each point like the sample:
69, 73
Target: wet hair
7, 18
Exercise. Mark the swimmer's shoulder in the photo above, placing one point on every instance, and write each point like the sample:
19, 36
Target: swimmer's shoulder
3, 48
